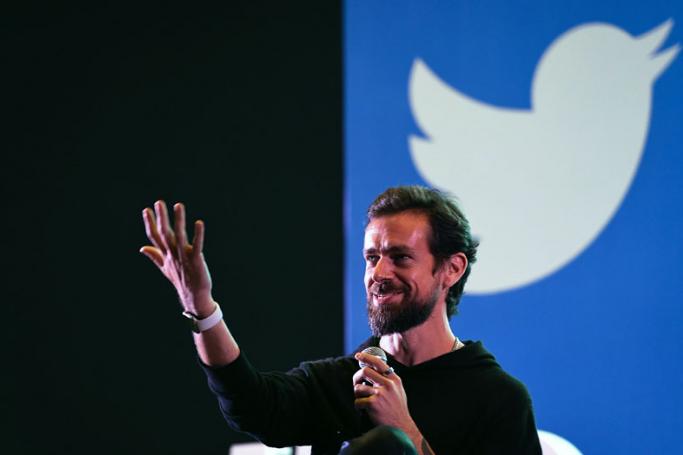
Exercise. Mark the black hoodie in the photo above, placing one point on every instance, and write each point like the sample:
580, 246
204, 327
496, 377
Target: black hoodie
462, 402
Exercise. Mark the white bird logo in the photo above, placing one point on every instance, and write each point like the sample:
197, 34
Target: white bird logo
539, 185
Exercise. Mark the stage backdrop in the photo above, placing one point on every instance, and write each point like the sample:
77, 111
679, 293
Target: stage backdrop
232, 108
558, 127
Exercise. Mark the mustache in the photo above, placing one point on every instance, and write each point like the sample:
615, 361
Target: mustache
386, 287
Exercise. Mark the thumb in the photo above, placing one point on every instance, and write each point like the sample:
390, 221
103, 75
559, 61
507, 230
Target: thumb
154, 255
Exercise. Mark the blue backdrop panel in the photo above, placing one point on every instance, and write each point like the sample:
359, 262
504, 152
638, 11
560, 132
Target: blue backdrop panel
558, 126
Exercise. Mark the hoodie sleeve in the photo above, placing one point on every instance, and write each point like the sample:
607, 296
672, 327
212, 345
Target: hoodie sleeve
285, 409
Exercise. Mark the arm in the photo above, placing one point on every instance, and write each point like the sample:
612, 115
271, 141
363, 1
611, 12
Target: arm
184, 266
385, 400
277, 408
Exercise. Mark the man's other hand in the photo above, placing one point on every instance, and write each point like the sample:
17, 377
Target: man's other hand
182, 263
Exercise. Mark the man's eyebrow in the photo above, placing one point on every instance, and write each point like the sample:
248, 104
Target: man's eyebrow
394, 249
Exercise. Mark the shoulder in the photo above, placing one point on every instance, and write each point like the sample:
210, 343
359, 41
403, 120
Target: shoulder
489, 376
512, 391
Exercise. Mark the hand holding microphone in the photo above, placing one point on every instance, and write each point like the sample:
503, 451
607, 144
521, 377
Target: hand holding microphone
379, 391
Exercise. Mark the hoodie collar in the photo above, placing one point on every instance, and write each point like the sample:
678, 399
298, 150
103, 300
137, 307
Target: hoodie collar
472, 355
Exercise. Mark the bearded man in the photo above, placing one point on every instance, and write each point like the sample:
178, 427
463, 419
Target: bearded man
434, 394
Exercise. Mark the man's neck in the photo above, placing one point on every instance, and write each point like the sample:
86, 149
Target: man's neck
427, 341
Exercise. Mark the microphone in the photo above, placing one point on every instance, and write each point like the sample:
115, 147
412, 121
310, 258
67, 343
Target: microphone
376, 351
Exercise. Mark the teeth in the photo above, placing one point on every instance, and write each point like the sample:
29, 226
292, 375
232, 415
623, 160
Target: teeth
384, 294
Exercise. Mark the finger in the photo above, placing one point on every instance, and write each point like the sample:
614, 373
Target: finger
151, 227
198, 241
154, 254
164, 226
376, 377
358, 377
375, 362
363, 390
361, 376
364, 403
372, 376
180, 233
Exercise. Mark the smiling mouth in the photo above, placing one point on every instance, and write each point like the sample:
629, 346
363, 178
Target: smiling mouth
384, 291
390, 297
385, 294
383, 297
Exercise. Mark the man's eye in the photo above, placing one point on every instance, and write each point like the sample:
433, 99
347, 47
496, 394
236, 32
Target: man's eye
371, 259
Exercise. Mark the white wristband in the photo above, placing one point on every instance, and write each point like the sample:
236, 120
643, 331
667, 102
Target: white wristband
202, 325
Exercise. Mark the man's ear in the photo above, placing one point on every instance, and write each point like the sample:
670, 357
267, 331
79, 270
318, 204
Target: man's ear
454, 268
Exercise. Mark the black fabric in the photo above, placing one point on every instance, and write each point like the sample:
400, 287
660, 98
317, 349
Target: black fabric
462, 402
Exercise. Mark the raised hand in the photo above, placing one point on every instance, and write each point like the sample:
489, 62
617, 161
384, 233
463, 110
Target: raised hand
182, 263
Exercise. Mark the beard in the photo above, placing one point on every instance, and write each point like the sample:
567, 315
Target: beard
397, 318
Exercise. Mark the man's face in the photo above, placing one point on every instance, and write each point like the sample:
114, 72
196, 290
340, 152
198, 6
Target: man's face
402, 288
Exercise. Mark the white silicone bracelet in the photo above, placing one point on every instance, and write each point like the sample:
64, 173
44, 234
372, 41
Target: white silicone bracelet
205, 324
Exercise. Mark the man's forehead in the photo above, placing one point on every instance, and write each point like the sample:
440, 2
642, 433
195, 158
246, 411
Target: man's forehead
405, 228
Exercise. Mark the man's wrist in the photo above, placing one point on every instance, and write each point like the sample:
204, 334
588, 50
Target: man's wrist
206, 311
202, 325
202, 307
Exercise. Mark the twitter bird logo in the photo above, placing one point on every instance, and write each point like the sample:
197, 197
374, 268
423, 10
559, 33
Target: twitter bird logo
539, 185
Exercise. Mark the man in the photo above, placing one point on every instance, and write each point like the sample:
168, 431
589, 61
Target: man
435, 394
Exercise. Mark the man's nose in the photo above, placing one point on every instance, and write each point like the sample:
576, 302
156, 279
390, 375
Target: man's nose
382, 271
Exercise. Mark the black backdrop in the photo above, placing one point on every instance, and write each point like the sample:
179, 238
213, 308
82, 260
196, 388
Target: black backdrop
235, 111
